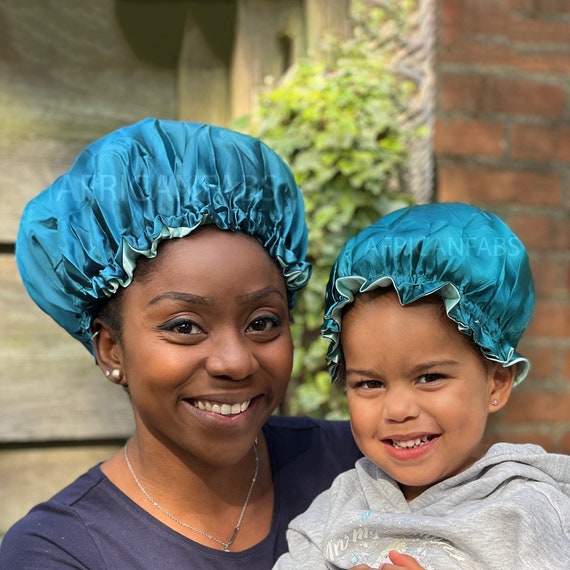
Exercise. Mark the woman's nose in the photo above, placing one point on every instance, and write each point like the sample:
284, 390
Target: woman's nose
400, 404
231, 357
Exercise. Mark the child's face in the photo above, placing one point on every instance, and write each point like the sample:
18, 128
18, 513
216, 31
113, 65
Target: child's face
418, 392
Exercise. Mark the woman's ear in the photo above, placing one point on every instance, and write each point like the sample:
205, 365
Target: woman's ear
501, 384
108, 352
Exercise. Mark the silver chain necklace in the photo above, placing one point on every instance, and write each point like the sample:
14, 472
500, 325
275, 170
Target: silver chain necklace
227, 544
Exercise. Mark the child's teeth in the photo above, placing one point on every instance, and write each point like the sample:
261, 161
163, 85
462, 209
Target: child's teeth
409, 444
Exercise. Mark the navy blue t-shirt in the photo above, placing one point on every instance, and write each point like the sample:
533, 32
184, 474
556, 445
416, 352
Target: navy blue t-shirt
92, 525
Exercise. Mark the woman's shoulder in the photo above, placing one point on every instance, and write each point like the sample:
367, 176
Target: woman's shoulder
303, 426
310, 449
330, 439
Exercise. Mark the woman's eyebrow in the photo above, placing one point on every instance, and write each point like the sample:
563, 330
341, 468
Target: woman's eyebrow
261, 294
185, 297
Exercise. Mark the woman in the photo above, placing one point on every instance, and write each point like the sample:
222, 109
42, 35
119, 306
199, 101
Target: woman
173, 252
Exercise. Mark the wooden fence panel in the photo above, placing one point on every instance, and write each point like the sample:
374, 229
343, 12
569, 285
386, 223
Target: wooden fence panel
51, 387
30, 476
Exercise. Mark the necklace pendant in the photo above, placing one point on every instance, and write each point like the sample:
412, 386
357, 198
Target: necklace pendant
227, 544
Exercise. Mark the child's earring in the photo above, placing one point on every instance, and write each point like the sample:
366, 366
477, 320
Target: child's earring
494, 402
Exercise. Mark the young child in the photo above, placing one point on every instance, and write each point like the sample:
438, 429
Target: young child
424, 311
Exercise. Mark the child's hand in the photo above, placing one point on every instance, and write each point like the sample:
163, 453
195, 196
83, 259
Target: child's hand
400, 562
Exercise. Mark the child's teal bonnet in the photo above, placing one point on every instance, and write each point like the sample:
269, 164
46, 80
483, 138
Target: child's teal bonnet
467, 256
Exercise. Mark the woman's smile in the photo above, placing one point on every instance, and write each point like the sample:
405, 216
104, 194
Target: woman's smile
221, 408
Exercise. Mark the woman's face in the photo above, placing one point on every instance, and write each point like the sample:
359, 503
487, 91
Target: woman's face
205, 347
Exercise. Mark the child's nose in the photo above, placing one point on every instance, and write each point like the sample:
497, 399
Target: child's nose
400, 404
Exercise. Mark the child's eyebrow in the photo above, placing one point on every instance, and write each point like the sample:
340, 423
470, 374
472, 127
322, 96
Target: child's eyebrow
433, 364
362, 372
417, 369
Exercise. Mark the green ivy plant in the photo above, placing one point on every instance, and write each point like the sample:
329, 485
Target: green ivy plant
337, 122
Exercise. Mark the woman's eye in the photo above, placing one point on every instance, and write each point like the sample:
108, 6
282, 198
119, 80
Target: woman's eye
182, 326
264, 324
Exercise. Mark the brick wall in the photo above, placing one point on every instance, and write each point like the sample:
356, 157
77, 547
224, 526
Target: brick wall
502, 141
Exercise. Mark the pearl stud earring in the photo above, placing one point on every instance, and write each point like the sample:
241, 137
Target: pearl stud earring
115, 375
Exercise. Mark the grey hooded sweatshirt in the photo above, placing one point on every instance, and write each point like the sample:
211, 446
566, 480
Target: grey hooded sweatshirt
509, 510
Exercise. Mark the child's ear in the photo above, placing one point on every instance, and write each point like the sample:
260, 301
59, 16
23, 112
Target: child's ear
108, 352
501, 384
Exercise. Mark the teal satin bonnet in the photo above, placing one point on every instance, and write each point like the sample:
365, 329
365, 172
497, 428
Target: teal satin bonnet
467, 256
79, 239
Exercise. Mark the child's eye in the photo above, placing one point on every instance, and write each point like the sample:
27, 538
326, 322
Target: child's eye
182, 326
429, 378
264, 324
367, 385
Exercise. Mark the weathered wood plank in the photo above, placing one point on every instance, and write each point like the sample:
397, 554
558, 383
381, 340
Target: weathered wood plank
51, 387
269, 37
67, 76
326, 17
30, 476
203, 64
26, 168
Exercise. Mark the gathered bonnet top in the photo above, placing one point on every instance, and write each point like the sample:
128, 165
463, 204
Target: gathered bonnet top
79, 239
465, 255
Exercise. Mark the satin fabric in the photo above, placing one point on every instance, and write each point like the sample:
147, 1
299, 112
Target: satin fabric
466, 255
79, 240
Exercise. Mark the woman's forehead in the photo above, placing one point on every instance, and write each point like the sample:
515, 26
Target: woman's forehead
210, 259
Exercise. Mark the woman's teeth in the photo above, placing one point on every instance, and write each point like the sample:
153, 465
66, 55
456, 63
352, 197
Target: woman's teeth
223, 409
411, 443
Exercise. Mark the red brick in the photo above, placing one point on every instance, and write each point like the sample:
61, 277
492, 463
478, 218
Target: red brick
490, 17
550, 319
566, 365
548, 276
539, 143
469, 53
528, 26
526, 406
498, 186
565, 443
542, 62
543, 31
468, 138
542, 232
536, 8
489, 94
543, 361
502, 433
451, 19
